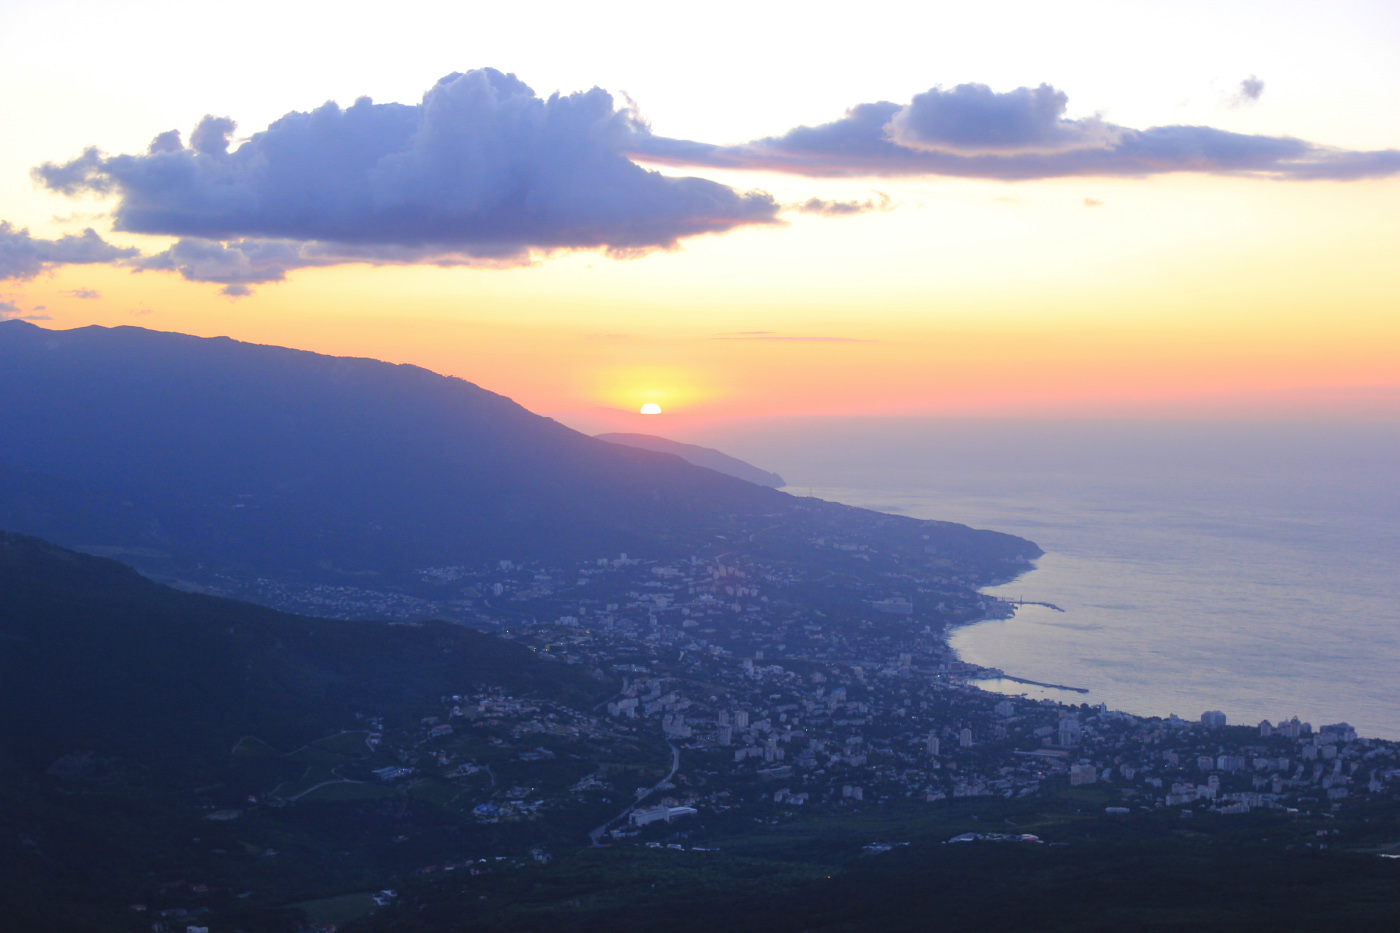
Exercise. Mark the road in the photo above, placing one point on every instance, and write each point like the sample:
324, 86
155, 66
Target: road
598, 833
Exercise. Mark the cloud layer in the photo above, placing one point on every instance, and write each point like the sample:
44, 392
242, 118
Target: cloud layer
974, 132
23, 256
485, 172
785, 338
481, 170
844, 208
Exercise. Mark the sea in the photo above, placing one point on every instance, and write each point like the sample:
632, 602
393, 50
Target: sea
1246, 567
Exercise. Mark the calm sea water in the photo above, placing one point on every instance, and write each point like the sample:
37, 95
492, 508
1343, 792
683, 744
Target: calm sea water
1250, 568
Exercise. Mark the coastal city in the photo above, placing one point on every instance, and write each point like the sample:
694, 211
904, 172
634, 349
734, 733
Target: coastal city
741, 700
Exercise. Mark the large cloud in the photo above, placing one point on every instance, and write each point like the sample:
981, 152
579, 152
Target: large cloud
482, 170
971, 131
23, 256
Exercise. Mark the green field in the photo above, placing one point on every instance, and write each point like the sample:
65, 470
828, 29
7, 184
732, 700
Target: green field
337, 910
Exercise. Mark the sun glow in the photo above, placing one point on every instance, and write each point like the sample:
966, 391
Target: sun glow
651, 408
673, 386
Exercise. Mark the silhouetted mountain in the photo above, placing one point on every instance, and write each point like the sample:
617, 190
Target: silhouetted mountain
132, 710
706, 457
97, 657
188, 455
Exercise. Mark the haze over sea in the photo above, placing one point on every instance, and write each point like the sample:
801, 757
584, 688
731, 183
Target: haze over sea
1245, 567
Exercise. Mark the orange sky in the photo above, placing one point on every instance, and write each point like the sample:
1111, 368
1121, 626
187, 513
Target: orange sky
970, 297
1160, 295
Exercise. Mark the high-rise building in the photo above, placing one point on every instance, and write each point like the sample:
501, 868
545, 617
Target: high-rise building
1069, 731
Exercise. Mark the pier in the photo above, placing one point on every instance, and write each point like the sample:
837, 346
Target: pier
1037, 683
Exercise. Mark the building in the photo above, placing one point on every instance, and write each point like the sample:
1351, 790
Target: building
1083, 774
1069, 731
1213, 719
657, 814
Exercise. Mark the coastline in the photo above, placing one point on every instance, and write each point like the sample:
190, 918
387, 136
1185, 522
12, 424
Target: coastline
1217, 593
1000, 609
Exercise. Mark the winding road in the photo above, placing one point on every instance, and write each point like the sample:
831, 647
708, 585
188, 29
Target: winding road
598, 833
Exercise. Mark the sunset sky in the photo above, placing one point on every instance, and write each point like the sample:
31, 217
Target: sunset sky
1012, 209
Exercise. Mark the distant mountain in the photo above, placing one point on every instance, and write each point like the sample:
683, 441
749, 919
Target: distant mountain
706, 457
191, 456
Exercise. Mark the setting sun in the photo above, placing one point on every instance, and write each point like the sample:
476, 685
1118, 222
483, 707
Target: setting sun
651, 408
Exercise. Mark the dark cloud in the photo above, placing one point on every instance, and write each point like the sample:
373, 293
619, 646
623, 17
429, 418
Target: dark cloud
882, 202
23, 256
481, 171
973, 132
210, 137
239, 262
972, 119
1249, 91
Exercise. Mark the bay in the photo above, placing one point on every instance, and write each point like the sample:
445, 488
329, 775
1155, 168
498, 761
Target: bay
1252, 568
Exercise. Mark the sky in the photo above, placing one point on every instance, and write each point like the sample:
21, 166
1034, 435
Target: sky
732, 210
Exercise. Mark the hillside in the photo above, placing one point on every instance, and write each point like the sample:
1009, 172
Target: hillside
706, 457
192, 458
143, 724
99, 658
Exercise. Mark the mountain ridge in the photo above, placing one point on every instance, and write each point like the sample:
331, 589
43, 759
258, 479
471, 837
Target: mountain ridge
707, 457
194, 456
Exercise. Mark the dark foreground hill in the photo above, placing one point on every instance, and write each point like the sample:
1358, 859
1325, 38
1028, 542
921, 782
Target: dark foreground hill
707, 457
142, 724
187, 456
99, 659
